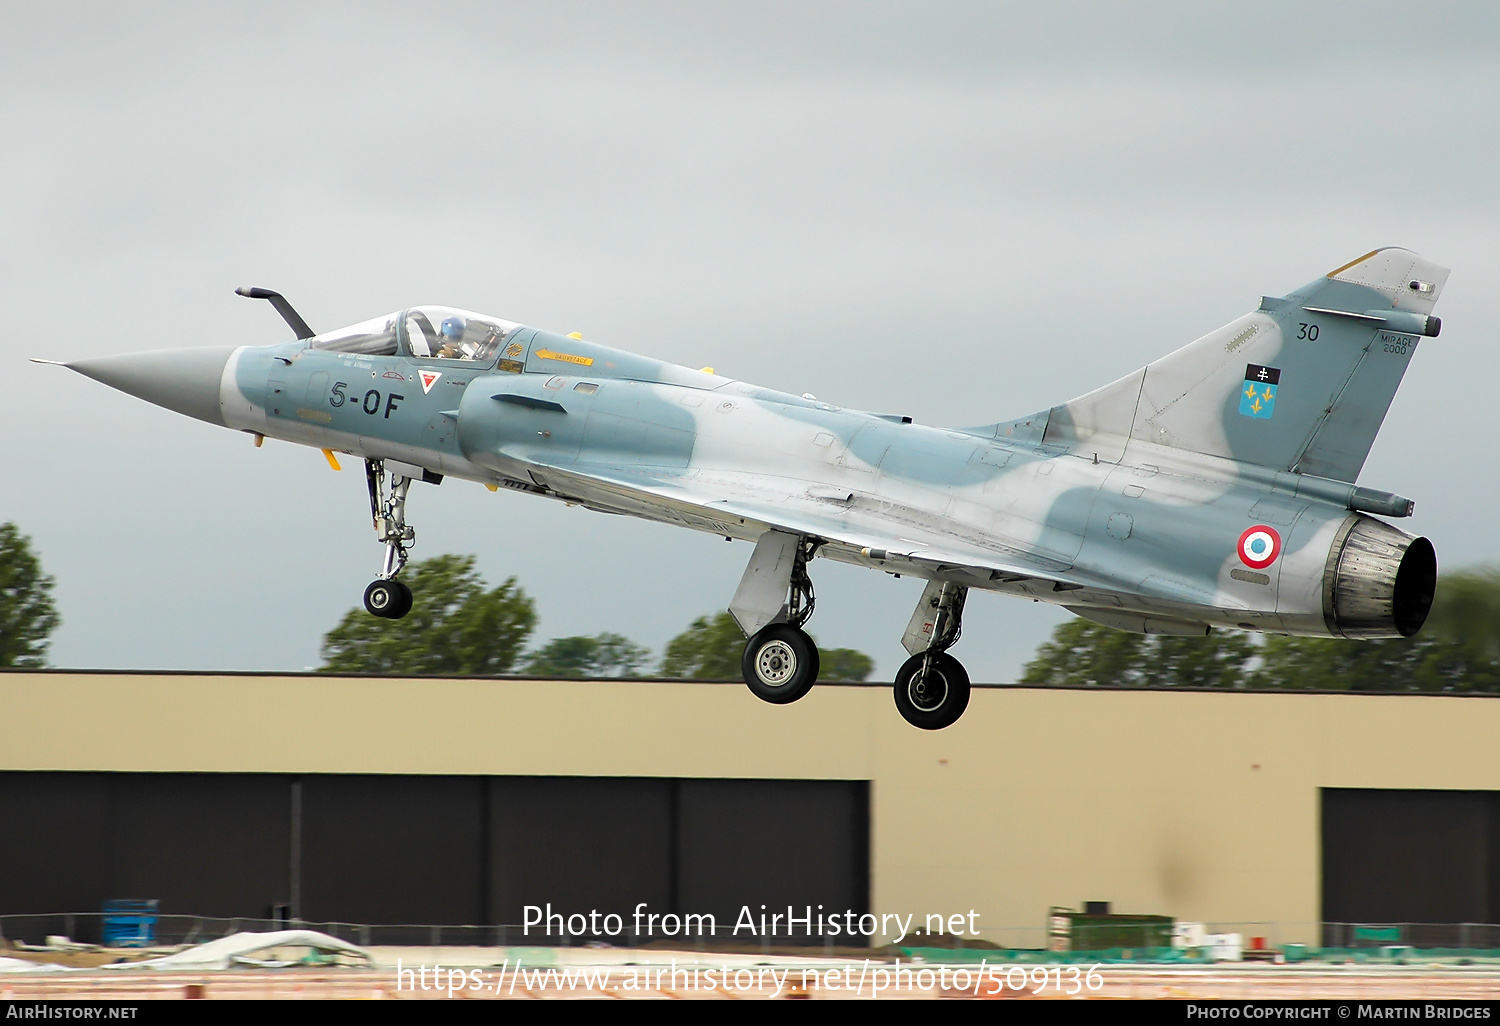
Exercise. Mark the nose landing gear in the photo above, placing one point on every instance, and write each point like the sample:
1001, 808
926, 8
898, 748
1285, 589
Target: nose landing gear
390, 599
387, 596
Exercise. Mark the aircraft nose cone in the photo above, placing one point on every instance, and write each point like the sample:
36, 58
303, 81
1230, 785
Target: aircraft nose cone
185, 380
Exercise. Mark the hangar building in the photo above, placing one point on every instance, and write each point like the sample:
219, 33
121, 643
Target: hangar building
462, 801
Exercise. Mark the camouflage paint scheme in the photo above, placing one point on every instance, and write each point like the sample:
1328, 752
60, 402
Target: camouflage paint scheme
1127, 505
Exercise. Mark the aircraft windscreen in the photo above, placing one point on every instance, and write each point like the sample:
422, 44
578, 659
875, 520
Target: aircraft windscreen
370, 338
441, 333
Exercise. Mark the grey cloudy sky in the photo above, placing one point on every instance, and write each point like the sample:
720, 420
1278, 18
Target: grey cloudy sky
962, 212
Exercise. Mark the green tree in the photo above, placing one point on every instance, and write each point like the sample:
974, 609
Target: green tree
1339, 664
27, 614
1216, 661
1458, 649
844, 664
712, 648
455, 626
603, 655
1460, 643
1084, 653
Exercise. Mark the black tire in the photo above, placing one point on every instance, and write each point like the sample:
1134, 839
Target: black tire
404, 606
384, 598
940, 699
780, 664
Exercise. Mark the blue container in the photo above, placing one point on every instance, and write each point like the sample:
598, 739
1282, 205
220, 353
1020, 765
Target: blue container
130, 923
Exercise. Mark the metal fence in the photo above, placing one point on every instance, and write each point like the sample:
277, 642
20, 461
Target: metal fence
1423, 936
169, 930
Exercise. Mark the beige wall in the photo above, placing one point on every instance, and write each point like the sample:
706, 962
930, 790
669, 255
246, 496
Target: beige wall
1200, 806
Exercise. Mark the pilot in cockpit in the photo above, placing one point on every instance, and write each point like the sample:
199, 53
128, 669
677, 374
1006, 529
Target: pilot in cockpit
451, 340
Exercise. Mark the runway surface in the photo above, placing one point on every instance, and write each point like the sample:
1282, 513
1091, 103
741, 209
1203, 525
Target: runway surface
694, 978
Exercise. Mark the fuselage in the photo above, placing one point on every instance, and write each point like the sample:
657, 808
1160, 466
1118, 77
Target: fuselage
1148, 543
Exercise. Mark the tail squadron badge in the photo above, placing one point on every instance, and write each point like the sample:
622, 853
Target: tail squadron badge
1258, 397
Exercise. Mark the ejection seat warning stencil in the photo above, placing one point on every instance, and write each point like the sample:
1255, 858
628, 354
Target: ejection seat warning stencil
1258, 397
429, 378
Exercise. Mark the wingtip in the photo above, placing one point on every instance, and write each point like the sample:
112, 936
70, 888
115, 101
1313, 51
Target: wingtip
53, 363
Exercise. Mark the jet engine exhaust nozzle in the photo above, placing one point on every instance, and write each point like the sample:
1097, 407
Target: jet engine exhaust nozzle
1378, 582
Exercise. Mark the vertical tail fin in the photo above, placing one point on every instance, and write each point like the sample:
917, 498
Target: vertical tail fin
1301, 384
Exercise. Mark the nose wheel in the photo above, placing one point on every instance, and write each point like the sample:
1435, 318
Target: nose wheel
386, 596
390, 599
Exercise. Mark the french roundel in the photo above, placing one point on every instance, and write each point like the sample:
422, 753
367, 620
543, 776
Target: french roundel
1259, 547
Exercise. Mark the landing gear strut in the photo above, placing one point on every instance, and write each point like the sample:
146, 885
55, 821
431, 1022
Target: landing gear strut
780, 663
387, 596
932, 688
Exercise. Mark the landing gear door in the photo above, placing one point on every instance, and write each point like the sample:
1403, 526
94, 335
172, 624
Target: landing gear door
933, 623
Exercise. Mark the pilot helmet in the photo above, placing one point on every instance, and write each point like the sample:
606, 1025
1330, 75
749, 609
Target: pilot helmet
452, 330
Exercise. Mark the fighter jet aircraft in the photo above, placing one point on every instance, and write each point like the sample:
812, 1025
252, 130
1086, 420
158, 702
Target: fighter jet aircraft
1212, 489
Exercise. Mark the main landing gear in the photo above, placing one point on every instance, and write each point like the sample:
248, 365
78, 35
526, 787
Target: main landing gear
774, 599
780, 664
932, 687
387, 596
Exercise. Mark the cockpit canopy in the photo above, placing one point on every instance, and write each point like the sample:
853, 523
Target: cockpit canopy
442, 333
423, 332
367, 338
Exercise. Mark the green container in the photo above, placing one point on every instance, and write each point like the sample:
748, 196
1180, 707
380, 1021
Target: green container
1098, 933
1294, 952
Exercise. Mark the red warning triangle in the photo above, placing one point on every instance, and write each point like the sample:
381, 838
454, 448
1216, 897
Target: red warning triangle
429, 378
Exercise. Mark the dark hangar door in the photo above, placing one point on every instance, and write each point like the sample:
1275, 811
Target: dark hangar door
1411, 856
683, 846
424, 850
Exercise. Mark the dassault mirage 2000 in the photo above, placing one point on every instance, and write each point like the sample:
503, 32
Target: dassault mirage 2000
1212, 489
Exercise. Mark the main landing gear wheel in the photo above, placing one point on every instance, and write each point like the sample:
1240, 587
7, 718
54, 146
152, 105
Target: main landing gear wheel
390, 599
936, 698
780, 663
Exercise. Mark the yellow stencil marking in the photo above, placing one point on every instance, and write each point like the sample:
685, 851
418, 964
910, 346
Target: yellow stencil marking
582, 361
